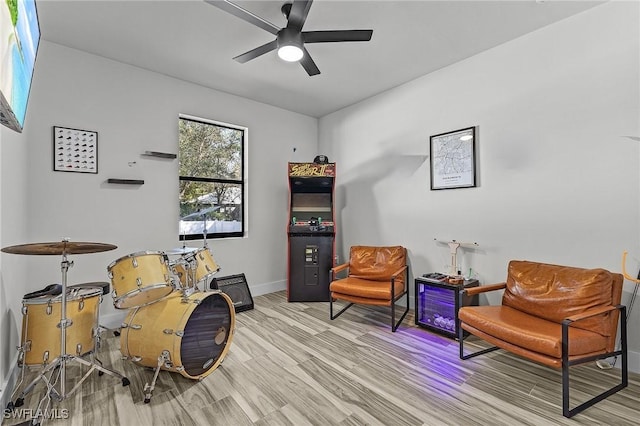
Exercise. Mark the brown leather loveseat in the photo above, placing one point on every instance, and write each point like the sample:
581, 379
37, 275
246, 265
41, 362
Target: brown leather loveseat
555, 315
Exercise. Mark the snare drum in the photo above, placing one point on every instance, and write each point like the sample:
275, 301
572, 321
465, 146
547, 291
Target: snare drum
200, 260
139, 279
41, 325
193, 331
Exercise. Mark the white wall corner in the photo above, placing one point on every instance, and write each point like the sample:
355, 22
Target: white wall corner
9, 384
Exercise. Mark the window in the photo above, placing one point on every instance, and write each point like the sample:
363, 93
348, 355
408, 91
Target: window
211, 156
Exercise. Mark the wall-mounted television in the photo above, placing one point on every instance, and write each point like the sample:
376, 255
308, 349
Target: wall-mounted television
19, 39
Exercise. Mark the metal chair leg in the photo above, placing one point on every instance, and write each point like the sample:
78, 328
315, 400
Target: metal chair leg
339, 313
566, 363
394, 324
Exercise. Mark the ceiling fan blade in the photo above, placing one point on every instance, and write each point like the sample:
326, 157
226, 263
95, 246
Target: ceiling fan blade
336, 36
258, 51
244, 14
298, 13
307, 63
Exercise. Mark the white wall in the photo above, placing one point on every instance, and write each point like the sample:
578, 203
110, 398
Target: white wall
557, 182
133, 111
13, 269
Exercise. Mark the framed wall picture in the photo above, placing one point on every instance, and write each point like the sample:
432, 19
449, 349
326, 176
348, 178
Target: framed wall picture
75, 150
453, 159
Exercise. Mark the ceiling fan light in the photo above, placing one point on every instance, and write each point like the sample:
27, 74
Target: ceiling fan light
290, 53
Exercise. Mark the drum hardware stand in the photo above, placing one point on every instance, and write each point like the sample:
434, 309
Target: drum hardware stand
97, 334
204, 230
98, 342
205, 245
191, 273
61, 361
40, 410
190, 278
203, 214
148, 388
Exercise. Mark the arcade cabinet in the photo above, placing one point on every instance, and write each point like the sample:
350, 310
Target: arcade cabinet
311, 230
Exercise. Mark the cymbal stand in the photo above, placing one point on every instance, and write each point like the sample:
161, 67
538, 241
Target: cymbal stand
204, 229
193, 271
61, 361
190, 278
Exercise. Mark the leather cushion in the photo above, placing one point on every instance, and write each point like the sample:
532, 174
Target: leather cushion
556, 292
530, 332
376, 263
361, 300
366, 289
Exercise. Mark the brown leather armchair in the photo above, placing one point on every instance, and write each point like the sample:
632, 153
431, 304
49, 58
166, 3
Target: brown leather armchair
375, 276
558, 316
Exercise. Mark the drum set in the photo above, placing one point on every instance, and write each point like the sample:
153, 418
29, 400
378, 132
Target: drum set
172, 325
58, 329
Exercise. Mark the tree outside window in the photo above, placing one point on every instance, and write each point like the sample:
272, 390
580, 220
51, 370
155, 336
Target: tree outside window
211, 156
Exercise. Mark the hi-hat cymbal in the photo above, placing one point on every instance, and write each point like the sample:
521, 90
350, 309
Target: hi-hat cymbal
59, 247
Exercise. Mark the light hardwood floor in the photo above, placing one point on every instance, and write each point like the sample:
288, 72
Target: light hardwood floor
288, 364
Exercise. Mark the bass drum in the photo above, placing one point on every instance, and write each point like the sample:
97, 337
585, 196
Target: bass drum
194, 332
41, 325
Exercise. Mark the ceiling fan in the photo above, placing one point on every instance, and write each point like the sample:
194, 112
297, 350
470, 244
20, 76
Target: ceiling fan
290, 40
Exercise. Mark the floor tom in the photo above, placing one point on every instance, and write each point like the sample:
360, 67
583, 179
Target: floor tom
41, 317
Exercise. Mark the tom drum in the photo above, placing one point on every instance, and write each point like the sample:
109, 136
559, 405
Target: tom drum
200, 260
139, 279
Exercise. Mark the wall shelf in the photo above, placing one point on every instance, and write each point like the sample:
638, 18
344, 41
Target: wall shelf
126, 181
157, 154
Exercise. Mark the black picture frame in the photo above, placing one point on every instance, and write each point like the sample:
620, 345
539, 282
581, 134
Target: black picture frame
75, 150
452, 158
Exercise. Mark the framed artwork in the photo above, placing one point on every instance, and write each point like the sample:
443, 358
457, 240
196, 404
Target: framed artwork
453, 159
75, 150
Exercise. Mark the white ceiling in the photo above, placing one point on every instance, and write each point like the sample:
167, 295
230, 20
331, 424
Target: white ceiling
195, 42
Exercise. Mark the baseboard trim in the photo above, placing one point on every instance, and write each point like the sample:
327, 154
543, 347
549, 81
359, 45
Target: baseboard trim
634, 361
266, 288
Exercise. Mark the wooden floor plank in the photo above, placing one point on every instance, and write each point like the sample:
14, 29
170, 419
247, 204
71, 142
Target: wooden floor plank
289, 364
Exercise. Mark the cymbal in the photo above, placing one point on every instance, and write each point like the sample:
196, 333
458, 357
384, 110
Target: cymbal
181, 250
59, 247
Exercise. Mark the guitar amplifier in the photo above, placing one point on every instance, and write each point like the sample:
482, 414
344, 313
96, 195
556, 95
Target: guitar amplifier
236, 287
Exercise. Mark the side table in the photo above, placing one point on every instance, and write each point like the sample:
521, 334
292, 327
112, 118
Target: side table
437, 304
